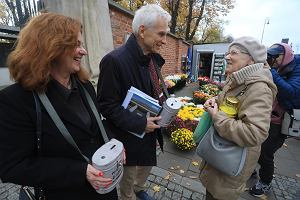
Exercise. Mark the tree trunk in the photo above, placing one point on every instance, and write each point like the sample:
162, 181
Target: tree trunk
26, 13
174, 17
189, 20
197, 21
20, 13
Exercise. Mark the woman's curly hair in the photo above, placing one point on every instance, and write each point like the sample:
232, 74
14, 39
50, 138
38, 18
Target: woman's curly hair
43, 39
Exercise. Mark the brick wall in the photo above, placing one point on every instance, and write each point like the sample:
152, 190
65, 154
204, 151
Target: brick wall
121, 20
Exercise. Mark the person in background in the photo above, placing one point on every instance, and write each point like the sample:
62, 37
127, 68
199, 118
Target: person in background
47, 58
133, 64
285, 69
248, 78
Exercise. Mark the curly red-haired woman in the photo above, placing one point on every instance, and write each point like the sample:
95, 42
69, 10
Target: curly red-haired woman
47, 58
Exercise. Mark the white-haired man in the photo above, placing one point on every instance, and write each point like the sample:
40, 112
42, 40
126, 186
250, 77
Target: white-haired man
133, 64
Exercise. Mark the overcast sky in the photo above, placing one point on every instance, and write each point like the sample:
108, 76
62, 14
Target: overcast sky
248, 18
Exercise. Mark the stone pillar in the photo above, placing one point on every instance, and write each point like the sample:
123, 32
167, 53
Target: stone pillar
97, 33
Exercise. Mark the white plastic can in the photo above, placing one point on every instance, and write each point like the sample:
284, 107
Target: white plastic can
109, 160
170, 109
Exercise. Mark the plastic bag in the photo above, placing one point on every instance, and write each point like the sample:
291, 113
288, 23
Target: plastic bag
202, 127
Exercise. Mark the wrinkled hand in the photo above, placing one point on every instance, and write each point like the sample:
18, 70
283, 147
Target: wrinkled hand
211, 106
209, 103
151, 126
96, 179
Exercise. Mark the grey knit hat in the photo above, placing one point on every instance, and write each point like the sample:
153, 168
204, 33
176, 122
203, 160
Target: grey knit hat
256, 50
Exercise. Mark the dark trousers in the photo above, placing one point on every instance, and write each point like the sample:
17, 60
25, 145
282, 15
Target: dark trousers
266, 160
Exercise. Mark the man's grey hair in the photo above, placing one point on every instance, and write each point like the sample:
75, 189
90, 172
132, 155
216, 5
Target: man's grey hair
147, 16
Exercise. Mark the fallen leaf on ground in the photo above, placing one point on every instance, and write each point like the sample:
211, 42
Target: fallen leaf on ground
188, 184
172, 168
298, 175
177, 167
167, 177
285, 145
195, 163
181, 171
156, 188
192, 177
263, 197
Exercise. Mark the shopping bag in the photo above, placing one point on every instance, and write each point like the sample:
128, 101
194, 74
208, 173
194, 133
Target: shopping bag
202, 127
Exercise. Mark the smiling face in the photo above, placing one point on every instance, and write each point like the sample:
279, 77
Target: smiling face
153, 38
70, 62
237, 59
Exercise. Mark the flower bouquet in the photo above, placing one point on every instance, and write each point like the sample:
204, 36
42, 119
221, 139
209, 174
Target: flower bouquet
178, 79
187, 117
183, 139
199, 97
203, 80
170, 86
210, 89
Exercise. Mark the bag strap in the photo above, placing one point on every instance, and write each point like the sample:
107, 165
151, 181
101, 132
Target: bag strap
96, 114
62, 128
158, 72
59, 124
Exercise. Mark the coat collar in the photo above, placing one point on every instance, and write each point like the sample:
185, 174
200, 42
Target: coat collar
63, 109
239, 77
137, 52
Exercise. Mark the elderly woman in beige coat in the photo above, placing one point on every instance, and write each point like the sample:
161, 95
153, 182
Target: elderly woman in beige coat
246, 72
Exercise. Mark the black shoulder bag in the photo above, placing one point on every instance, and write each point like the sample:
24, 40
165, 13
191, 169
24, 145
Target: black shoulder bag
25, 191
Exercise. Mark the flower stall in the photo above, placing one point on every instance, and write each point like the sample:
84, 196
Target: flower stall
207, 90
175, 82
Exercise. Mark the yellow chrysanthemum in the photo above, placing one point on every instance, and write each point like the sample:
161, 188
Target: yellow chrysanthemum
190, 113
183, 139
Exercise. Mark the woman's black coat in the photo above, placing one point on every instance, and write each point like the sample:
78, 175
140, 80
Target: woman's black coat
61, 170
119, 70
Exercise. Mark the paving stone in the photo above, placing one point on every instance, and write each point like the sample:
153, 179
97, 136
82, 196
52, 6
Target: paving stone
4, 195
186, 193
147, 184
178, 188
168, 194
168, 160
152, 185
288, 197
197, 196
158, 195
176, 196
171, 186
151, 177
164, 183
150, 192
195, 168
193, 185
190, 174
158, 180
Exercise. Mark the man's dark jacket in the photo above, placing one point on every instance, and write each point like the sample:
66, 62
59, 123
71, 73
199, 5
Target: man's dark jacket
119, 70
61, 170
